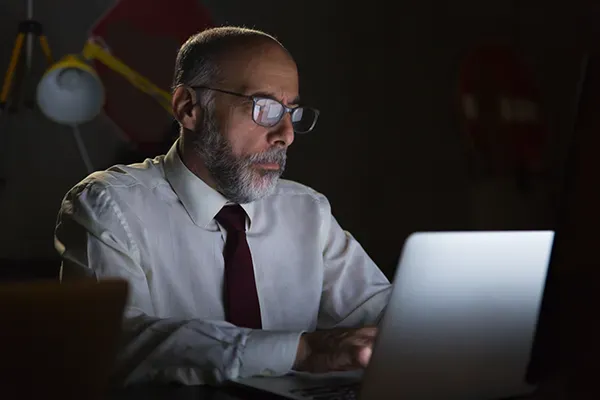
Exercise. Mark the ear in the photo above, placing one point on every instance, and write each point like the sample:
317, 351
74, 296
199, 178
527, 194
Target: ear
184, 110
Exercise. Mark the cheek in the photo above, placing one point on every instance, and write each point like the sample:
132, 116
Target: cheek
246, 138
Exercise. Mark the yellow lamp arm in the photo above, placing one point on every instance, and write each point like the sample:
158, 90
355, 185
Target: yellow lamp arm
92, 50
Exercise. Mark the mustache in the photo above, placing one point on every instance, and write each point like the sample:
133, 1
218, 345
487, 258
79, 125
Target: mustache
276, 155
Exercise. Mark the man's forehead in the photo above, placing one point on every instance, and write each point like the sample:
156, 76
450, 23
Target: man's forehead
278, 93
263, 71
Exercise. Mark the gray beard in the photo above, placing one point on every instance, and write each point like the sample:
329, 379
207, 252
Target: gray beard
235, 177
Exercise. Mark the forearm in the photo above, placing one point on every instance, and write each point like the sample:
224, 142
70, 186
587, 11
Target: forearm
198, 352
188, 351
367, 312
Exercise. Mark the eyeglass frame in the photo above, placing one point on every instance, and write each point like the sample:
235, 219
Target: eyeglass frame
255, 98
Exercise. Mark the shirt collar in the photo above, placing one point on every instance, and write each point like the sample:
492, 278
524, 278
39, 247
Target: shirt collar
200, 201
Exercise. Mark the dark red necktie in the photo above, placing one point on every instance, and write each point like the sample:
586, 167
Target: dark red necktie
241, 298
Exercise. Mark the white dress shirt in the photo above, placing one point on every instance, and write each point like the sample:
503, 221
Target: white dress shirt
153, 224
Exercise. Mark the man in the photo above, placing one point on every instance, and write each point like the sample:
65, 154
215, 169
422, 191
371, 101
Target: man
232, 271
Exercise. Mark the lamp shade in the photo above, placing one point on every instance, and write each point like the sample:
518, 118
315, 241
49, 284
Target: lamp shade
70, 92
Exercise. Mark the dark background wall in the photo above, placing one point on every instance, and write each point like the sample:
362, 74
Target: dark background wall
388, 150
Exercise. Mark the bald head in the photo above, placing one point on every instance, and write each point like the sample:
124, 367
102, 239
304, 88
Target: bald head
214, 55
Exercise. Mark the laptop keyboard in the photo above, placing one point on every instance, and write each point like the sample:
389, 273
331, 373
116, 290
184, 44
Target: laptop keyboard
339, 392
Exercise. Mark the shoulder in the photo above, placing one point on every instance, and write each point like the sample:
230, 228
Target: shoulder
120, 182
299, 196
287, 189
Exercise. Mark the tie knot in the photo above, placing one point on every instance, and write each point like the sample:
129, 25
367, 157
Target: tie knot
232, 217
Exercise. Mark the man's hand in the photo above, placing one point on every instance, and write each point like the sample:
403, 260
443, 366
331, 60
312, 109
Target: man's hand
335, 350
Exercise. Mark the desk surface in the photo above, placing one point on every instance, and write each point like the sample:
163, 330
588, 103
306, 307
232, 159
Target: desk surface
155, 392
152, 392
553, 391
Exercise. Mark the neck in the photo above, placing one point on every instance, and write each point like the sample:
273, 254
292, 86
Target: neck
194, 162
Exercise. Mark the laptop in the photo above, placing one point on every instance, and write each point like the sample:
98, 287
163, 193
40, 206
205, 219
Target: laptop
460, 323
59, 340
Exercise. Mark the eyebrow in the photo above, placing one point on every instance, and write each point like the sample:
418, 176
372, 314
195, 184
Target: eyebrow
294, 101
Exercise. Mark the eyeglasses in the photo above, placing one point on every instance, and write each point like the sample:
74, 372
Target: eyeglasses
269, 112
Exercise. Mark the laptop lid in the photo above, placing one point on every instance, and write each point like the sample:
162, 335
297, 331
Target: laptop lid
462, 316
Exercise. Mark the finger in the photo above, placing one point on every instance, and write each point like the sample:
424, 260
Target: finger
361, 341
363, 356
360, 337
340, 361
370, 331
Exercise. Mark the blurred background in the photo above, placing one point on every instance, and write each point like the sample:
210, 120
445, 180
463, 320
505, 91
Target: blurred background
391, 149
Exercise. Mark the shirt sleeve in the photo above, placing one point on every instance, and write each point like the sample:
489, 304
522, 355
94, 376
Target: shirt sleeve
95, 241
355, 291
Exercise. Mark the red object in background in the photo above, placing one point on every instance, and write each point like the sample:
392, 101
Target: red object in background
146, 36
501, 112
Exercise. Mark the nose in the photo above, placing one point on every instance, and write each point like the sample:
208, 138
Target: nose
282, 134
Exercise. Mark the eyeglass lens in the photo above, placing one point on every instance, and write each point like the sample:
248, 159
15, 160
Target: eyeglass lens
268, 112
